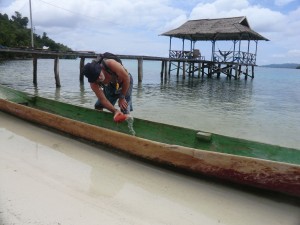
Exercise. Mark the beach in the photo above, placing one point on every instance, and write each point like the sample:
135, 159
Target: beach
50, 178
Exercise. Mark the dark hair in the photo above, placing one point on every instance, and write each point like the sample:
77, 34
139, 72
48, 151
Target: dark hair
92, 71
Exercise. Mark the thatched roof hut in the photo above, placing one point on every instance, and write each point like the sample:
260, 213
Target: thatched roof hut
234, 28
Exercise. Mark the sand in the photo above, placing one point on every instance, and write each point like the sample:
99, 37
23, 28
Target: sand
50, 179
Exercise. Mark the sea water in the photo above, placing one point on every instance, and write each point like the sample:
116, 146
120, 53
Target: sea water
130, 121
264, 109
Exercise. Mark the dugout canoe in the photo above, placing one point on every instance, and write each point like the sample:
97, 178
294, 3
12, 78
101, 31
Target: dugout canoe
245, 162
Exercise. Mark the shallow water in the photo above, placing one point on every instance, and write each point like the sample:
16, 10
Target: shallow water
265, 109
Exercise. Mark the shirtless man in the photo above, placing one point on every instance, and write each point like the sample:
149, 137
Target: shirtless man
111, 82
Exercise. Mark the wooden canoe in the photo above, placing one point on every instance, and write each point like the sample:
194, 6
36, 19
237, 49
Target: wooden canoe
240, 161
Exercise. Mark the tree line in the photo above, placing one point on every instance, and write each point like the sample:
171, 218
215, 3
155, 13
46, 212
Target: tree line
14, 33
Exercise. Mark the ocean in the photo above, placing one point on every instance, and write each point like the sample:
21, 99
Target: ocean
265, 109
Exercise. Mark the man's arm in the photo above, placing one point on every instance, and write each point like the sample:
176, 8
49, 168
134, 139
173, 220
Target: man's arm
100, 95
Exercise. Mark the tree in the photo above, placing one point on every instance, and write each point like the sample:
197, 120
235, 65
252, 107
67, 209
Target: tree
19, 20
14, 33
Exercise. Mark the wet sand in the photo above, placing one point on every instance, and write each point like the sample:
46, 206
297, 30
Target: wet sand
47, 178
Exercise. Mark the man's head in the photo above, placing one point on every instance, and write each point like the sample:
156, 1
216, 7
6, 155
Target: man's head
93, 71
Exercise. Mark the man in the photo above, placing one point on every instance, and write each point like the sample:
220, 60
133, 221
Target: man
111, 82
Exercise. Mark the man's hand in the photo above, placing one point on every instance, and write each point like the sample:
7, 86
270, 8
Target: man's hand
123, 104
119, 117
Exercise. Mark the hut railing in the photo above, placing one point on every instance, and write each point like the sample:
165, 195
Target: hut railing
238, 57
179, 54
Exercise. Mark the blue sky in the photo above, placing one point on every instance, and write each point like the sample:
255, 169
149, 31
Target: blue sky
134, 26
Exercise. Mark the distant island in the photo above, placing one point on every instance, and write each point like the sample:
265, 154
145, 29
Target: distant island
283, 65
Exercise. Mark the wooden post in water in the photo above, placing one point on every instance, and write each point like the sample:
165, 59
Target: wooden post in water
81, 65
240, 71
183, 70
34, 69
219, 70
56, 71
209, 69
178, 68
140, 70
170, 65
236, 72
202, 70
166, 68
162, 69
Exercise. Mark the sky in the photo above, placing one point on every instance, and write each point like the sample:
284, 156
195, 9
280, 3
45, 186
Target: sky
134, 27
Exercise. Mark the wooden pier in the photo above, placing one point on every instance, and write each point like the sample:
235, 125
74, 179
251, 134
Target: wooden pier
184, 66
36, 54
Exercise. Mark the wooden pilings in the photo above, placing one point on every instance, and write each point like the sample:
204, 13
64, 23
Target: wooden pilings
186, 65
210, 69
198, 68
164, 68
34, 61
140, 70
81, 65
56, 72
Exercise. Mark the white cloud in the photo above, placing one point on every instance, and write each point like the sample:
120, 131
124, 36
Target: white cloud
133, 26
272, 24
283, 2
260, 19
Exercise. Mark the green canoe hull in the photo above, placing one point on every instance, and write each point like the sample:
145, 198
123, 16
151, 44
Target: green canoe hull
241, 161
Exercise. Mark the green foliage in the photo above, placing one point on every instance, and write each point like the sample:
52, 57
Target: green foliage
14, 33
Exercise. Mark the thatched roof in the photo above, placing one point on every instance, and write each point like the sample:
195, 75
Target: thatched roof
235, 28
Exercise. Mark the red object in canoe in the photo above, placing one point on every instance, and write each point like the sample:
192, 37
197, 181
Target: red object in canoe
119, 118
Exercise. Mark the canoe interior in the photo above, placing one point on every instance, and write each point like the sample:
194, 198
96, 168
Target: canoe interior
164, 133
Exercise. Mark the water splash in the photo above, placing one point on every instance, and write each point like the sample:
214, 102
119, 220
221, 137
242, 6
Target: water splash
130, 124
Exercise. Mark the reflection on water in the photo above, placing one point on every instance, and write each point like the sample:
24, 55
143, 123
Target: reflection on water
264, 109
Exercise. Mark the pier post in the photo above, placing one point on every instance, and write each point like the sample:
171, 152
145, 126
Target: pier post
209, 70
202, 70
166, 68
170, 64
236, 71
162, 69
246, 75
56, 71
81, 65
183, 70
229, 71
240, 71
34, 69
178, 68
140, 70
219, 70
199, 69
